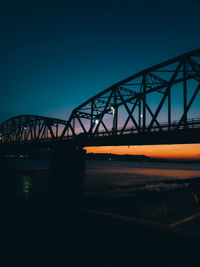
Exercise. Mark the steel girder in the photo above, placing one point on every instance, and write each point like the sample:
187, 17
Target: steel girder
142, 103
133, 96
30, 128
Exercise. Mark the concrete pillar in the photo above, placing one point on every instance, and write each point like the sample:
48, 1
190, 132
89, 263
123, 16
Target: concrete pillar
66, 174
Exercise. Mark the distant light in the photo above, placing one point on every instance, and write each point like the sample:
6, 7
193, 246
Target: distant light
141, 115
0, 138
25, 128
112, 108
96, 121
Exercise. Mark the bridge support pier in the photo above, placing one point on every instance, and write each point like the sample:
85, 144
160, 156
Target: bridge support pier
66, 174
2, 164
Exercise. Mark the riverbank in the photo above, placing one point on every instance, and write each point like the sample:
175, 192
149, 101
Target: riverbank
126, 229
40, 233
161, 201
164, 202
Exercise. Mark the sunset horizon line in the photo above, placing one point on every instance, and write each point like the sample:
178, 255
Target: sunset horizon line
168, 152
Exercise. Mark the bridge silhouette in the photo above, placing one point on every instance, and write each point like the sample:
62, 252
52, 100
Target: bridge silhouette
159, 105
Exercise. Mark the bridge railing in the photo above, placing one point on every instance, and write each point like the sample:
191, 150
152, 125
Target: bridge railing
164, 126
175, 125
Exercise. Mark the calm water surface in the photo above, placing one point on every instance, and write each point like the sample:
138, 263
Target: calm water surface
101, 177
123, 176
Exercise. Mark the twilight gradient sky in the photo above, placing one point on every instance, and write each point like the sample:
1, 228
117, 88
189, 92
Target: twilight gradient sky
55, 55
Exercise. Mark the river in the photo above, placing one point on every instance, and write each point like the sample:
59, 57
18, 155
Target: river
101, 177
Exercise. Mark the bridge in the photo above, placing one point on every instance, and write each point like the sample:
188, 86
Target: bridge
159, 105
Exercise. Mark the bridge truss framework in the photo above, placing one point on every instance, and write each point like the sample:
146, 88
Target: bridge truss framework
164, 97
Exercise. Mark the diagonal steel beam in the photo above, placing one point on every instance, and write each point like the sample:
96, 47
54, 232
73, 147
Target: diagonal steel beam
51, 131
107, 131
127, 120
40, 129
139, 74
151, 113
128, 110
42, 136
104, 111
68, 125
81, 124
189, 104
164, 96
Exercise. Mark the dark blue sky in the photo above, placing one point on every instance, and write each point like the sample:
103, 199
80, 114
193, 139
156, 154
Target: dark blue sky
55, 56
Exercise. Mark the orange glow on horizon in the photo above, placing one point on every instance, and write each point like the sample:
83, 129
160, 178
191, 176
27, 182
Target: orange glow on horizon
189, 151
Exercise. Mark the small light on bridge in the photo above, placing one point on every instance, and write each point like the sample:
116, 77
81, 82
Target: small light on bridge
96, 121
141, 115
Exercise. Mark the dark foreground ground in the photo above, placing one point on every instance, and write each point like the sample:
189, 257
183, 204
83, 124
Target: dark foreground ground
176, 205
32, 237
145, 229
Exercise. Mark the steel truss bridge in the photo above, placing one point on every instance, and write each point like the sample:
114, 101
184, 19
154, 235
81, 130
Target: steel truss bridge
159, 105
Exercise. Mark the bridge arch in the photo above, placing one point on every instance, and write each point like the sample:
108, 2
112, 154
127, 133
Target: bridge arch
162, 98
146, 101
31, 128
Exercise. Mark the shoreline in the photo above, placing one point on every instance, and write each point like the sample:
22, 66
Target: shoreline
163, 201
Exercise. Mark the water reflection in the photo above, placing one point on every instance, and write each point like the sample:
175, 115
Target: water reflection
106, 177
25, 186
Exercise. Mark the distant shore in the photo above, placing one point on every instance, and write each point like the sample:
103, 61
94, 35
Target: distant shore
129, 157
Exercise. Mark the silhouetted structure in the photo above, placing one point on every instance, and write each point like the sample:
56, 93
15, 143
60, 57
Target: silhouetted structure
133, 108
130, 112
